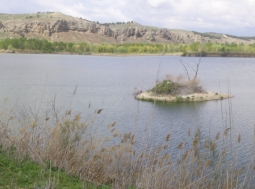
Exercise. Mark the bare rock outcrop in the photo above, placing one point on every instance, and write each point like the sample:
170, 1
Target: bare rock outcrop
46, 25
134, 32
28, 27
142, 33
60, 27
164, 33
104, 30
149, 36
47, 28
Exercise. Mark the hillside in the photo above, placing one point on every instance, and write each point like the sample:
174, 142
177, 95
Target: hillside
56, 26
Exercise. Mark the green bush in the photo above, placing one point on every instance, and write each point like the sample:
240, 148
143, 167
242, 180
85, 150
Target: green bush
165, 87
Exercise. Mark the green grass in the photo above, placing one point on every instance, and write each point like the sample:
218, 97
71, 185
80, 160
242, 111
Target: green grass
16, 173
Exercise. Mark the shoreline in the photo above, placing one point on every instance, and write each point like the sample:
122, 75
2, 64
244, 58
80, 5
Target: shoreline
217, 54
195, 97
87, 53
226, 55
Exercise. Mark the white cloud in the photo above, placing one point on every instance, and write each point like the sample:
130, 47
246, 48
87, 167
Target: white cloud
224, 16
156, 3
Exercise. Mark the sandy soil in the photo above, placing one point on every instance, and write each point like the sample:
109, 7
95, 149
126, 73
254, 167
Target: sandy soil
149, 96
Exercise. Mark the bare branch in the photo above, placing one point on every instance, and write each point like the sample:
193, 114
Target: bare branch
185, 69
197, 68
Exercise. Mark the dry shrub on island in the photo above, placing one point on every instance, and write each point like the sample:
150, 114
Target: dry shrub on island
178, 85
68, 143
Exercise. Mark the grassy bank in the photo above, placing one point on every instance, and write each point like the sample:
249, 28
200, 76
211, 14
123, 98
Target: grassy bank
24, 173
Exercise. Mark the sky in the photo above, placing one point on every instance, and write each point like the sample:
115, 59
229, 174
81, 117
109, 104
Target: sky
235, 17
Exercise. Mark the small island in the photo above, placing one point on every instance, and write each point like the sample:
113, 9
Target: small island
179, 89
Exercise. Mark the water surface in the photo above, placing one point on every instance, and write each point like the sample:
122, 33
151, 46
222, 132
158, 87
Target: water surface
34, 81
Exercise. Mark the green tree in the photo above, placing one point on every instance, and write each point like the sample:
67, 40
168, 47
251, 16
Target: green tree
122, 49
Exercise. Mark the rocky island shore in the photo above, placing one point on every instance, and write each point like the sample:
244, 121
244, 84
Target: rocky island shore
194, 97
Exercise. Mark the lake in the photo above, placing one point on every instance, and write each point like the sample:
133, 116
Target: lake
103, 82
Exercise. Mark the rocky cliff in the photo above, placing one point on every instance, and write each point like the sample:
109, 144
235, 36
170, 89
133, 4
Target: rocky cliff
48, 28
60, 27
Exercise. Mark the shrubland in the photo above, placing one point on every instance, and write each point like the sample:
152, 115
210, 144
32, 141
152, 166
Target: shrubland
44, 46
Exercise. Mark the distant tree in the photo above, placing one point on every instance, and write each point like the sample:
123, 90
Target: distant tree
109, 49
122, 49
133, 49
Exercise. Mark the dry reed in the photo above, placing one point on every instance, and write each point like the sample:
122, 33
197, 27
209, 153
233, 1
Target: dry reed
67, 143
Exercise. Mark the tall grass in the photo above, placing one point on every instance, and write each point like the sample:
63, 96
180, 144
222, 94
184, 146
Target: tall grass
68, 143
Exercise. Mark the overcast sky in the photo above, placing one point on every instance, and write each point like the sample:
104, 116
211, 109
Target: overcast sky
236, 17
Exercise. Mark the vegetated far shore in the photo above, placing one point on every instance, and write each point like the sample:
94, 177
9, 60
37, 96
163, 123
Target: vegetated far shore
18, 51
208, 49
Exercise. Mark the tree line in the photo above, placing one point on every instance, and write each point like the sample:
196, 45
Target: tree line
45, 46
